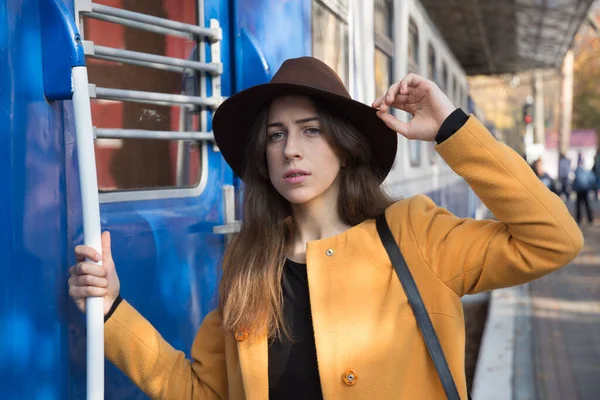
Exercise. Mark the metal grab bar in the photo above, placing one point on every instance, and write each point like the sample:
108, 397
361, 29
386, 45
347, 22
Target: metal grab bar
138, 25
105, 133
152, 97
163, 67
126, 55
212, 34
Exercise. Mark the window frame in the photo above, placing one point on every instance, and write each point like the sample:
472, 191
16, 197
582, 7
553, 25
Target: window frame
432, 70
416, 145
385, 44
453, 95
163, 193
341, 10
414, 64
444, 77
173, 192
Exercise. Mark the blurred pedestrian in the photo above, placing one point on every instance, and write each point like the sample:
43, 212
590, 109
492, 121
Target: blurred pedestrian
584, 182
564, 170
538, 167
596, 170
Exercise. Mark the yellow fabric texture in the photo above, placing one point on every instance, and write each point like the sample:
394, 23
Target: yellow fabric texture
361, 316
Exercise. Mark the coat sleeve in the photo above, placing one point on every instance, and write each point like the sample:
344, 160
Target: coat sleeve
137, 349
534, 233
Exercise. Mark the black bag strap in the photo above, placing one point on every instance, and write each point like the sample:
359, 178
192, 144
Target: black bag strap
416, 303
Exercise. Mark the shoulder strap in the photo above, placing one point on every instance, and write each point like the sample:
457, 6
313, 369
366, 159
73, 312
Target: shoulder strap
416, 303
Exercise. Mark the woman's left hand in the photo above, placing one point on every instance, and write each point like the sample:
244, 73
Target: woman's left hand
420, 97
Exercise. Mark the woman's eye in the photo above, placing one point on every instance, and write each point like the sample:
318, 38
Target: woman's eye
313, 131
275, 136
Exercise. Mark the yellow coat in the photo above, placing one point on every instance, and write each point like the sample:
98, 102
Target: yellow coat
361, 317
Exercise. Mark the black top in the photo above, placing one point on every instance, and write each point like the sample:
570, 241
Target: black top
293, 369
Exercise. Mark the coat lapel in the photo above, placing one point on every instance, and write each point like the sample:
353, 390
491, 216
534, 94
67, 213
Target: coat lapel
253, 355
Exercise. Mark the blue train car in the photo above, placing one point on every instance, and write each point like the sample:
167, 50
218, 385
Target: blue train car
165, 192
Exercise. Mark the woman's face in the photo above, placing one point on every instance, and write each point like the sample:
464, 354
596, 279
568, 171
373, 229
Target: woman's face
302, 165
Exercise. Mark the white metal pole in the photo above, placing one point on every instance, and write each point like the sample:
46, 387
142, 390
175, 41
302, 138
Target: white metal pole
91, 229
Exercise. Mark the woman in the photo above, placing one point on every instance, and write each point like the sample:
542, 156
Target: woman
310, 306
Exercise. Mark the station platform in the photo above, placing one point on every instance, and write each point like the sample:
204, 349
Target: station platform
542, 340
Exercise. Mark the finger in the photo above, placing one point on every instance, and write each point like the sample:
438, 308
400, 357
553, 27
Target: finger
401, 102
394, 123
401, 98
78, 292
82, 252
88, 269
378, 101
410, 81
88, 280
106, 251
391, 93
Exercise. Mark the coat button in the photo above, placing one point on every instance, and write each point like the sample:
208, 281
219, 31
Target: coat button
240, 335
350, 377
329, 252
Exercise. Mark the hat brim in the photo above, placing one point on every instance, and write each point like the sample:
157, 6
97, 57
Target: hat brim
235, 116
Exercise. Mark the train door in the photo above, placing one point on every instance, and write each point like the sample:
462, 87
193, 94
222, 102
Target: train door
157, 68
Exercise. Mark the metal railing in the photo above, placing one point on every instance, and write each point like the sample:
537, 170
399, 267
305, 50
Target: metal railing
161, 99
205, 70
149, 60
106, 133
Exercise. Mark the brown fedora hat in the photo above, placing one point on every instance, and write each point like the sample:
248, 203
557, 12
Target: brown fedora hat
304, 76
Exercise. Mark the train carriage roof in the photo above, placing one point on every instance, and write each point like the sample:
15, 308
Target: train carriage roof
507, 36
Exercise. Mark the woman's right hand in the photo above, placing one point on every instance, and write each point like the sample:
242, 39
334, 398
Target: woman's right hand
89, 279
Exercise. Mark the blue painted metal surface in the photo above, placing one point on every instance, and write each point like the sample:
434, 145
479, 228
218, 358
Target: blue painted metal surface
33, 224
62, 49
283, 30
254, 68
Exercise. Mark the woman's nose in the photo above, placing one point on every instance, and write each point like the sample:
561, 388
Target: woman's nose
292, 148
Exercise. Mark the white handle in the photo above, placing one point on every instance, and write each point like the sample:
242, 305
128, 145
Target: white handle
91, 229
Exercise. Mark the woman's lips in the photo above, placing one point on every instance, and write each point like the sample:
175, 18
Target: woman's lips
295, 179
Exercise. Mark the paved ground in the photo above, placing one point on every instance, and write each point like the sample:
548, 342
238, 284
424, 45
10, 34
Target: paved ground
566, 325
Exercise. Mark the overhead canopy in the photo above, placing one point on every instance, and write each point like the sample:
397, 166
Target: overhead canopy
507, 36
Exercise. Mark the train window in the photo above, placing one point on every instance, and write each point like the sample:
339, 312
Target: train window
414, 152
384, 46
431, 63
126, 163
331, 38
413, 47
453, 95
445, 77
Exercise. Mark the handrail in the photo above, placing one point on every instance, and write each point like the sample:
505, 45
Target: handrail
108, 133
210, 33
152, 97
162, 67
128, 55
138, 25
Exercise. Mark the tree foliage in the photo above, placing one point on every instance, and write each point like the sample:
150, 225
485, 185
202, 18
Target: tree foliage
586, 91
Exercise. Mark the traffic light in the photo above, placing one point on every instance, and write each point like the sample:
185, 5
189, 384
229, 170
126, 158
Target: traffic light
528, 114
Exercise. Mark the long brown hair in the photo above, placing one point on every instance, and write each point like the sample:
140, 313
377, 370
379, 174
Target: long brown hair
250, 296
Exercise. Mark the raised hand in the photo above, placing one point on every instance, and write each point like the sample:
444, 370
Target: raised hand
421, 98
89, 279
